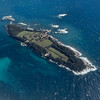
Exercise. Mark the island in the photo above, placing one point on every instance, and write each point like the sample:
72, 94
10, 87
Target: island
48, 47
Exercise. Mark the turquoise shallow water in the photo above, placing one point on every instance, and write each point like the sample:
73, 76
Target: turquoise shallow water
24, 75
4, 65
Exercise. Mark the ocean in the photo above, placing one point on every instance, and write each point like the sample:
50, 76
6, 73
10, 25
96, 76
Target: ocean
24, 75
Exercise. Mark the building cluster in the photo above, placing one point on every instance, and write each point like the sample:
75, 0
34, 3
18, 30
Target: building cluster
43, 35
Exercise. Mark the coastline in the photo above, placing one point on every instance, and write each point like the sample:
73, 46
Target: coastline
88, 65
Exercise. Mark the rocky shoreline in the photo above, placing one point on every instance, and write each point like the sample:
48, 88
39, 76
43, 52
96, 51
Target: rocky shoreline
75, 63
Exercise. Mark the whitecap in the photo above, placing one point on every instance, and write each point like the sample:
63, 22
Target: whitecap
23, 44
56, 32
11, 22
46, 30
55, 26
8, 18
61, 15
89, 65
62, 31
85, 71
30, 28
75, 51
21, 23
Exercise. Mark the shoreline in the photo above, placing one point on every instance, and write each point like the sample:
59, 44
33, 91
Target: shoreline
90, 66
87, 65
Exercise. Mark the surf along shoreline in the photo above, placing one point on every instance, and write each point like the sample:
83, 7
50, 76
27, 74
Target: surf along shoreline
87, 65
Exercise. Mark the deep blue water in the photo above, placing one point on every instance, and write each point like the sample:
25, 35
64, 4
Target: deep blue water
26, 76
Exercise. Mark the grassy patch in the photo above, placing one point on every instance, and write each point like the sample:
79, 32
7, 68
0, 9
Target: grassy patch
61, 55
23, 33
44, 43
53, 54
35, 39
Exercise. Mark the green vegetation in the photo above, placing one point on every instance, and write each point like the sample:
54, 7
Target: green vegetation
54, 55
47, 47
59, 54
44, 43
29, 35
34, 37
23, 33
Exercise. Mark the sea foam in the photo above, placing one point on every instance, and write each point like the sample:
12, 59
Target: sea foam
55, 26
30, 28
61, 15
21, 23
85, 71
89, 65
23, 44
73, 49
8, 18
62, 30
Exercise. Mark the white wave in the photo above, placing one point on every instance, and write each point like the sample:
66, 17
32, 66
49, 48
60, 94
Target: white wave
8, 18
51, 61
30, 28
75, 51
87, 62
56, 32
47, 30
21, 23
83, 72
61, 15
23, 44
65, 67
55, 26
62, 31
89, 65
11, 22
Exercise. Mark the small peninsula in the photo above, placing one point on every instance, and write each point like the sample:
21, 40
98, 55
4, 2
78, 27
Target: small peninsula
48, 47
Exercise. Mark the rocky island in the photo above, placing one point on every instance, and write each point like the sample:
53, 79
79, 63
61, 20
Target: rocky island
48, 47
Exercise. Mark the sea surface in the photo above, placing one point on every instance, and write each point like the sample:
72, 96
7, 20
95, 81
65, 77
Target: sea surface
24, 75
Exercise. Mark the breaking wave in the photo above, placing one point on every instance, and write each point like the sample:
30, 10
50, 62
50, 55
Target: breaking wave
8, 18
90, 66
55, 26
61, 15
73, 49
61, 31
21, 23
23, 44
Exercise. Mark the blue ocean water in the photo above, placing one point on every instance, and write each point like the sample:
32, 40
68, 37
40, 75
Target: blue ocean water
26, 76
